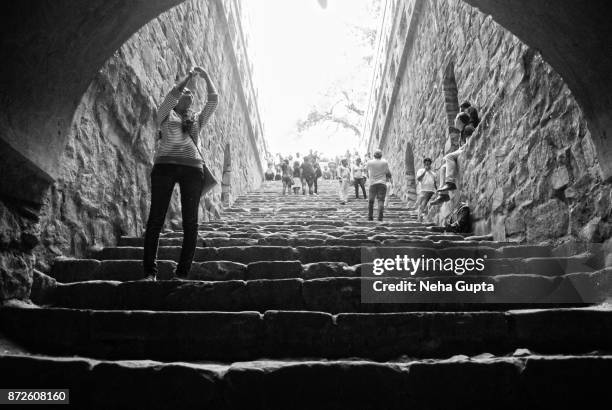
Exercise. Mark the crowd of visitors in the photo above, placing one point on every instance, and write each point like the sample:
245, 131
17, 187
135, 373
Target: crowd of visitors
297, 174
300, 174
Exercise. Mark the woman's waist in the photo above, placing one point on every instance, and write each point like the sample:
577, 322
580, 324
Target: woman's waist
195, 162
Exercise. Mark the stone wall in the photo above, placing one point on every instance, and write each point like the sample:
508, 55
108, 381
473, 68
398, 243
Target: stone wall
103, 188
530, 171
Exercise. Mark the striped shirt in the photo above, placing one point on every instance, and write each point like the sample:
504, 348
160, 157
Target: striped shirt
177, 146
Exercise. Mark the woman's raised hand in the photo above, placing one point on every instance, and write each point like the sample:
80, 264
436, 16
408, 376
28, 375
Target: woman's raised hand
199, 70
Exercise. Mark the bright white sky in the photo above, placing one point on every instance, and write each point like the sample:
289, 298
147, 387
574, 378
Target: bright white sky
299, 52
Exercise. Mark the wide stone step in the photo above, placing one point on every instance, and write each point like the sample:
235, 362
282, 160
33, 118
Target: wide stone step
227, 336
487, 382
333, 294
288, 239
305, 238
76, 270
314, 221
352, 255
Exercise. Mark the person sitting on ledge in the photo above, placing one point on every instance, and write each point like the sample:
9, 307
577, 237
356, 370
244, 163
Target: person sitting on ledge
467, 108
462, 123
458, 221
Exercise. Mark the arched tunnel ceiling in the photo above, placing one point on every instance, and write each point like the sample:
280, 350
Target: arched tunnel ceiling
51, 50
575, 38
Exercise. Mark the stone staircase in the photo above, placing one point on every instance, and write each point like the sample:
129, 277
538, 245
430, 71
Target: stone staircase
273, 318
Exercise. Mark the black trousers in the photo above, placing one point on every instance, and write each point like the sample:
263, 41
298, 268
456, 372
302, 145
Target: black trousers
360, 182
377, 192
309, 180
191, 183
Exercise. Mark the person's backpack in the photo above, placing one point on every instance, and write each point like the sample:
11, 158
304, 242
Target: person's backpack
459, 220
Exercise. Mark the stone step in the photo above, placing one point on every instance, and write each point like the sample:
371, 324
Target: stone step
330, 294
77, 270
314, 221
483, 382
352, 255
226, 336
311, 239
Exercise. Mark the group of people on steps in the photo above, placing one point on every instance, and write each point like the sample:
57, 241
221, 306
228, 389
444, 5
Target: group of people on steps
178, 159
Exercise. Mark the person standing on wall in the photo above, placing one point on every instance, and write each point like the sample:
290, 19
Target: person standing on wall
378, 173
178, 160
426, 180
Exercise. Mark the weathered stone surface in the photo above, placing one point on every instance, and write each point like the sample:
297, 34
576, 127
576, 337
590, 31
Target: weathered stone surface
222, 296
542, 326
530, 166
248, 254
132, 270
43, 287
332, 294
102, 186
482, 382
73, 270
525, 251
528, 289
547, 221
217, 270
91, 294
274, 270
298, 334
15, 275
267, 294
325, 269
559, 266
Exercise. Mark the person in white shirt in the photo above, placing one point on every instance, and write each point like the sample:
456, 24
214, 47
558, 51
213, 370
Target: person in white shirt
359, 178
379, 174
427, 186
344, 175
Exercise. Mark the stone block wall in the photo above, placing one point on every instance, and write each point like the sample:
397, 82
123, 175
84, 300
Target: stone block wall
530, 171
103, 188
